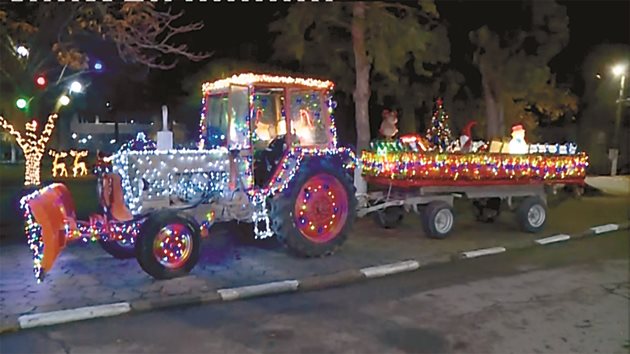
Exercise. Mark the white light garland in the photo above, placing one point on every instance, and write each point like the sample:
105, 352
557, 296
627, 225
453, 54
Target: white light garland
154, 175
32, 146
251, 79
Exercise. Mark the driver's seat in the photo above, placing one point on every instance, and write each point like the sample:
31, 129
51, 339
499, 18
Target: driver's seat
266, 160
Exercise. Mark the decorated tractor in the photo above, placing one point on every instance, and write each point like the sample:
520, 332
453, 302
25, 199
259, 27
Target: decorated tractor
267, 154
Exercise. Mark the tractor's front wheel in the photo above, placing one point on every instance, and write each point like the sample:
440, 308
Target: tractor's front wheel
314, 215
168, 245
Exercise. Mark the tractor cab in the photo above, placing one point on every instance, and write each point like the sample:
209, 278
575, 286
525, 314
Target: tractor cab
261, 117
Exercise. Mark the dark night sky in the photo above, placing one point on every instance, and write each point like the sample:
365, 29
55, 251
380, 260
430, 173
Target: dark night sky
232, 27
229, 26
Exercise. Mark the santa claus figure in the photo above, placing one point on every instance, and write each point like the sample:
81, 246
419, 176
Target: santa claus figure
388, 125
465, 140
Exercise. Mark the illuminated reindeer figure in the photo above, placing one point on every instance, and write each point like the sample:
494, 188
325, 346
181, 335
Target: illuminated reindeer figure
78, 167
32, 146
59, 166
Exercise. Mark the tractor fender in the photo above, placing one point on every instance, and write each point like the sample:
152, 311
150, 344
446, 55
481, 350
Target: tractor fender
112, 197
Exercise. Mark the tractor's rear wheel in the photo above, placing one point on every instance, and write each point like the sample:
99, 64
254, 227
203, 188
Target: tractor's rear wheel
314, 215
168, 245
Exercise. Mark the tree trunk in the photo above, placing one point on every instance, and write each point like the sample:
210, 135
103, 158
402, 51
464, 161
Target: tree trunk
407, 122
362, 67
494, 109
32, 172
362, 87
501, 119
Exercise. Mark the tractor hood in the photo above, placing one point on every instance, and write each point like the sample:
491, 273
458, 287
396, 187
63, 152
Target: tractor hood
156, 179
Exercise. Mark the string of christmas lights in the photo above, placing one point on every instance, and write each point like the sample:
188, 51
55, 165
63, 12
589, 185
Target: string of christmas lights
32, 146
33, 231
439, 133
154, 174
431, 168
250, 79
97, 227
290, 165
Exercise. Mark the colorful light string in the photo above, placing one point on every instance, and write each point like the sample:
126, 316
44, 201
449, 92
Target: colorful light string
32, 146
33, 231
435, 167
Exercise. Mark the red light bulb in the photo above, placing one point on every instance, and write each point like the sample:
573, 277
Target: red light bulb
40, 81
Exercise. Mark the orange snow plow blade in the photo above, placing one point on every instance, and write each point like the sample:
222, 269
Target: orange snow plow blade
50, 216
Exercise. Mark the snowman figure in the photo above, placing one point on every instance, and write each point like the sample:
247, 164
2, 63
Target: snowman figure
388, 125
518, 145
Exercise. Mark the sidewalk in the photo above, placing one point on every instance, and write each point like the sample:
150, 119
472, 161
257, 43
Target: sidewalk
85, 275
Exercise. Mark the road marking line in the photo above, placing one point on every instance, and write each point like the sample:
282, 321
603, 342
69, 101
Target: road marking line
605, 228
387, 269
483, 252
553, 239
257, 290
78, 314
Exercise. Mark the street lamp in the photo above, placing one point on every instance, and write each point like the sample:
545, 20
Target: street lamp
613, 153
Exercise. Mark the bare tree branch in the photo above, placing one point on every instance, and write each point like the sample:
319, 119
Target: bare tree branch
142, 35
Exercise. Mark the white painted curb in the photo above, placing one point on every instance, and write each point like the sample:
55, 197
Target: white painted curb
257, 290
483, 252
78, 314
605, 228
553, 239
387, 269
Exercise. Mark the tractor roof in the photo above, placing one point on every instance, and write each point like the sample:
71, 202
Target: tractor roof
253, 79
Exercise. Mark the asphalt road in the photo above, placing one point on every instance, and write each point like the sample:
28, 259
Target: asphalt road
571, 297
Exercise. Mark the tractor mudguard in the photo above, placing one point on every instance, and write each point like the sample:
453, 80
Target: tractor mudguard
50, 216
112, 197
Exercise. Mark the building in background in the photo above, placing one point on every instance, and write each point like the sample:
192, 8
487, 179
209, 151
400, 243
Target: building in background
99, 135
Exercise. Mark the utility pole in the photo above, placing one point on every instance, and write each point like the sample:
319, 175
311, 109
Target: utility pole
613, 152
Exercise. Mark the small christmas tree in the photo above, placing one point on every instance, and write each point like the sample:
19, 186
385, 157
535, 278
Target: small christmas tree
439, 134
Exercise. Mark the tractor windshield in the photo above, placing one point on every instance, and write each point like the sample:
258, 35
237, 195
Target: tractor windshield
309, 123
268, 122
